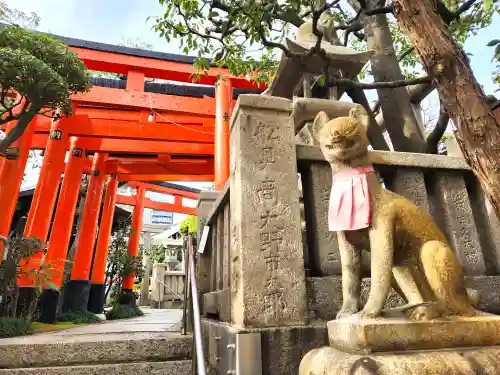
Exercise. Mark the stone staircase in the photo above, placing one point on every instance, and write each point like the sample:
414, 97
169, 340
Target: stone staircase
137, 353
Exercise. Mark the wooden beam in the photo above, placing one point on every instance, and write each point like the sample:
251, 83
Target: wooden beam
164, 190
153, 68
124, 129
141, 115
125, 167
161, 206
106, 96
135, 146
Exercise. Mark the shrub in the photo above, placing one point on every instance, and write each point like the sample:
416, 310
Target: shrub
123, 312
12, 327
79, 317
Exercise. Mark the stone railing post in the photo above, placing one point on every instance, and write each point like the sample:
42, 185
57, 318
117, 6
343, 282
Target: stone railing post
206, 201
267, 262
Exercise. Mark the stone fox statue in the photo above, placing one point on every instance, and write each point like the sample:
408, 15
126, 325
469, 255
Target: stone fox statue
408, 251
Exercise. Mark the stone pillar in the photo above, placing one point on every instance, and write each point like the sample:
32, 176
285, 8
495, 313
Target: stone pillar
148, 266
206, 201
158, 289
267, 261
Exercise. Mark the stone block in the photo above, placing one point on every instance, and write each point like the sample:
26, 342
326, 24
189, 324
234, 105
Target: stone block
218, 304
487, 224
91, 349
219, 269
332, 361
282, 348
213, 255
324, 256
267, 263
226, 277
409, 183
138, 368
459, 223
325, 295
396, 334
205, 204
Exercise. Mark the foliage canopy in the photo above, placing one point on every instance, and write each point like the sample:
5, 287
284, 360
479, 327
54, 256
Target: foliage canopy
43, 73
245, 35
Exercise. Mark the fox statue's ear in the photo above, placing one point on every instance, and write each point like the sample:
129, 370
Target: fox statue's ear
358, 112
320, 121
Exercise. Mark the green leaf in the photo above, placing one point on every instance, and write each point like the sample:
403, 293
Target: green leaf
213, 14
487, 4
493, 42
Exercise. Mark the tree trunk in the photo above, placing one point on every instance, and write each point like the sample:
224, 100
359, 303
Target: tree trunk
399, 118
477, 129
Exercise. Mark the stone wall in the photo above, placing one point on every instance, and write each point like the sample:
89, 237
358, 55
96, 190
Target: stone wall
263, 272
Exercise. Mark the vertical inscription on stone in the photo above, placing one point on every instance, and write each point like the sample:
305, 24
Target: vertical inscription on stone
410, 184
271, 239
267, 266
459, 221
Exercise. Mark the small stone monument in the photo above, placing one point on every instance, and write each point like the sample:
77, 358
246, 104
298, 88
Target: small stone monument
438, 331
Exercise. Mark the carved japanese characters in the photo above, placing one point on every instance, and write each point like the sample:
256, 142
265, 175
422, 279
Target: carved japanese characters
408, 250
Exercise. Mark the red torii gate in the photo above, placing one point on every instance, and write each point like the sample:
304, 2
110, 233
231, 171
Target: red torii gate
190, 137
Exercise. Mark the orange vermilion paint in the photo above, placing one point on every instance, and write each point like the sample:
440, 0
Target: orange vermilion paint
11, 178
164, 190
155, 68
109, 145
161, 206
223, 99
65, 213
42, 205
88, 227
135, 234
108, 211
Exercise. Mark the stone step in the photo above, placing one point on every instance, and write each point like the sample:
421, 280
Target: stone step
135, 368
60, 350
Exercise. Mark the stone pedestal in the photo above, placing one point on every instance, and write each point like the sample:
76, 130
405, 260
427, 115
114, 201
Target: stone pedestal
379, 335
332, 361
267, 260
452, 346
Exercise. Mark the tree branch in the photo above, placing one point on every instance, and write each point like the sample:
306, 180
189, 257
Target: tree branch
464, 8
378, 85
405, 53
18, 129
382, 10
438, 131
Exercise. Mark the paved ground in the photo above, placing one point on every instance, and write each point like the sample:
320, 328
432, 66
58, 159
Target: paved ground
154, 323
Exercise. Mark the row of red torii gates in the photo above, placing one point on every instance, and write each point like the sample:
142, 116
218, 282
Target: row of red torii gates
114, 135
